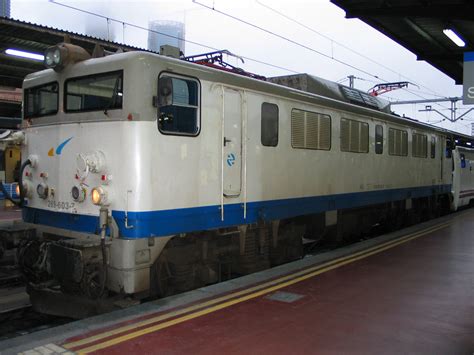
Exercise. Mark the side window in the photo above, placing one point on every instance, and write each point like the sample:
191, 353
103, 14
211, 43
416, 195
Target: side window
269, 125
463, 161
354, 136
433, 147
397, 142
178, 105
378, 139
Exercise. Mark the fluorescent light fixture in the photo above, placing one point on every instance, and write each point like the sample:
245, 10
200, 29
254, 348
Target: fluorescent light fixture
23, 54
453, 36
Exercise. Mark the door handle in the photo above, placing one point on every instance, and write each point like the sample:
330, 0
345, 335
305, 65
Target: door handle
226, 141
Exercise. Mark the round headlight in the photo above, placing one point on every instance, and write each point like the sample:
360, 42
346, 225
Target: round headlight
78, 193
98, 196
48, 58
42, 190
57, 56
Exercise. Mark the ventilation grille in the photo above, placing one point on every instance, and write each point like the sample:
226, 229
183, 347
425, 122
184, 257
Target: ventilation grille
354, 136
358, 97
310, 130
397, 142
420, 145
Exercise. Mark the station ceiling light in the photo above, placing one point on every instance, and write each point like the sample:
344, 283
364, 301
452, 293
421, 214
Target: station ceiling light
453, 36
23, 54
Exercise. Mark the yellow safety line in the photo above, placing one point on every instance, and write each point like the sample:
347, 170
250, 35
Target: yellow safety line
320, 269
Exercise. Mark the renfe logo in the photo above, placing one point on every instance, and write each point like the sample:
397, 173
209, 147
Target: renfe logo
59, 149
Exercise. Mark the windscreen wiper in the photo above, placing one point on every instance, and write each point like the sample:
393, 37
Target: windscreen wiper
114, 96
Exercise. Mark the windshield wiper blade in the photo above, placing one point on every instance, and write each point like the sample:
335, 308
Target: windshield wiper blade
113, 99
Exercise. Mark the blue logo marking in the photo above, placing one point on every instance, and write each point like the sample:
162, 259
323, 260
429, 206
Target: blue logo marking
61, 146
230, 159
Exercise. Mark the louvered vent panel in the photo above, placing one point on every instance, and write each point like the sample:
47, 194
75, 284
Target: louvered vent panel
355, 137
404, 143
391, 141
364, 137
312, 131
398, 143
345, 135
420, 145
324, 132
297, 129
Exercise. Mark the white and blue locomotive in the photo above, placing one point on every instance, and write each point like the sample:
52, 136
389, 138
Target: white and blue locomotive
149, 175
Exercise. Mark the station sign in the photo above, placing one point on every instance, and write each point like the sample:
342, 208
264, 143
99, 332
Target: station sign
468, 79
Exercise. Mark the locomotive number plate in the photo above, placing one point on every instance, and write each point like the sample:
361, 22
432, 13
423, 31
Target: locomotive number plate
60, 205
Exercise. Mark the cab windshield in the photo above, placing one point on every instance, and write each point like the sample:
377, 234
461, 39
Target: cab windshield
41, 100
98, 92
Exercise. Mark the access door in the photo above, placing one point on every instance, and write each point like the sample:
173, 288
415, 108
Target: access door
232, 150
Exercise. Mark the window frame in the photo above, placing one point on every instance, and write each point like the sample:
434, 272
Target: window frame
198, 108
376, 141
268, 117
433, 147
90, 76
38, 87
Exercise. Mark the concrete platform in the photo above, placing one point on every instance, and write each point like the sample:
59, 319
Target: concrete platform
9, 213
409, 292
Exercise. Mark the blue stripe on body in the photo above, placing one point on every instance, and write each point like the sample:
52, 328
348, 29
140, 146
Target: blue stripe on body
168, 222
469, 56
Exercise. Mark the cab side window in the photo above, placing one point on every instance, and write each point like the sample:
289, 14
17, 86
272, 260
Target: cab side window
178, 105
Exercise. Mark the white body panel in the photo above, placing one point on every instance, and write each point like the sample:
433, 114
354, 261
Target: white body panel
147, 171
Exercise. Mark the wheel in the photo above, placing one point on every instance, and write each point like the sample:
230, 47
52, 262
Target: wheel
94, 281
161, 280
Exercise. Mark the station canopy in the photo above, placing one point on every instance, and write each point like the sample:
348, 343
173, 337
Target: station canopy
31, 38
418, 26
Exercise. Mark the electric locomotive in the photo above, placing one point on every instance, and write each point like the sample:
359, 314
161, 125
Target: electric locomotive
146, 175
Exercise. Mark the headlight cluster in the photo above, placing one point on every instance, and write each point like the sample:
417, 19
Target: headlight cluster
57, 57
52, 57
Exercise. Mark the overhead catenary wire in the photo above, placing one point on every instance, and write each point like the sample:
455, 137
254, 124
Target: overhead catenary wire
343, 46
245, 57
301, 45
286, 39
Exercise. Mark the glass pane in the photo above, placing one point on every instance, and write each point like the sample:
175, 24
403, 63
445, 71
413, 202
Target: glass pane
41, 100
94, 92
179, 115
378, 139
269, 125
433, 147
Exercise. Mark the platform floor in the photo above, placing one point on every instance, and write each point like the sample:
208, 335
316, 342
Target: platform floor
9, 213
410, 293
